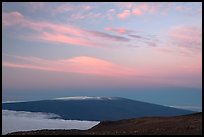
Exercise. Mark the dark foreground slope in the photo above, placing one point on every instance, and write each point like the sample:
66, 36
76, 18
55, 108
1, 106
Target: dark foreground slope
179, 125
102, 109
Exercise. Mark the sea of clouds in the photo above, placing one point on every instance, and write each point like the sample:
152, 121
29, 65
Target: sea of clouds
13, 121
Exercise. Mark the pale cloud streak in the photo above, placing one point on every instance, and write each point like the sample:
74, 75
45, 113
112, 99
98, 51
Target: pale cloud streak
60, 38
62, 9
12, 18
124, 14
89, 15
81, 64
187, 37
110, 14
120, 31
100, 67
108, 36
62, 33
70, 7
137, 12
147, 40
75, 12
136, 36
149, 8
139, 9
154, 8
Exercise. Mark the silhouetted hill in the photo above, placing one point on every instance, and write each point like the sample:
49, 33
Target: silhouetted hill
96, 108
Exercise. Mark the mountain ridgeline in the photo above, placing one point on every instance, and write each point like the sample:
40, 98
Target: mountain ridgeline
95, 108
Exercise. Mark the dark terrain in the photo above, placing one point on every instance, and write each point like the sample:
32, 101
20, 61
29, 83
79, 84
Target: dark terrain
177, 125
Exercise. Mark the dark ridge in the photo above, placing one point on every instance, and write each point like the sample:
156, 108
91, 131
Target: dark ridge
96, 109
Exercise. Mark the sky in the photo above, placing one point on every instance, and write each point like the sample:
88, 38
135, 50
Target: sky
145, 51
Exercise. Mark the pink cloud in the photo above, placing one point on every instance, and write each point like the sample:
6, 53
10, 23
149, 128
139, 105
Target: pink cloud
149, 70
80, 11
125, 5
141, 8
12, 18
81, 64
138, 9
62, 33
87, 7
187, 37
149, 8
110, 14
137, 12
119, 30
60, 38
26, 66
124, 14
144, 6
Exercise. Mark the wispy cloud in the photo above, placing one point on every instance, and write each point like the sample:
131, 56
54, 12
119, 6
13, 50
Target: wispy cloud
137, 12
12, 18
81, 64
87, 7
62, 33
110, 13
27, 66
75, 12
138, 9
63, 8
149, 8
120, 31
82, 15
124, 14
182, 41
136, 36
100, 67
151, 43
147, 40
62, 38
69, 34
108, 36
187, 37
68, 7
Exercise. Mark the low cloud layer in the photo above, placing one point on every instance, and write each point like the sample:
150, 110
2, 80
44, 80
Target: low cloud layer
13, 121
193, 108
